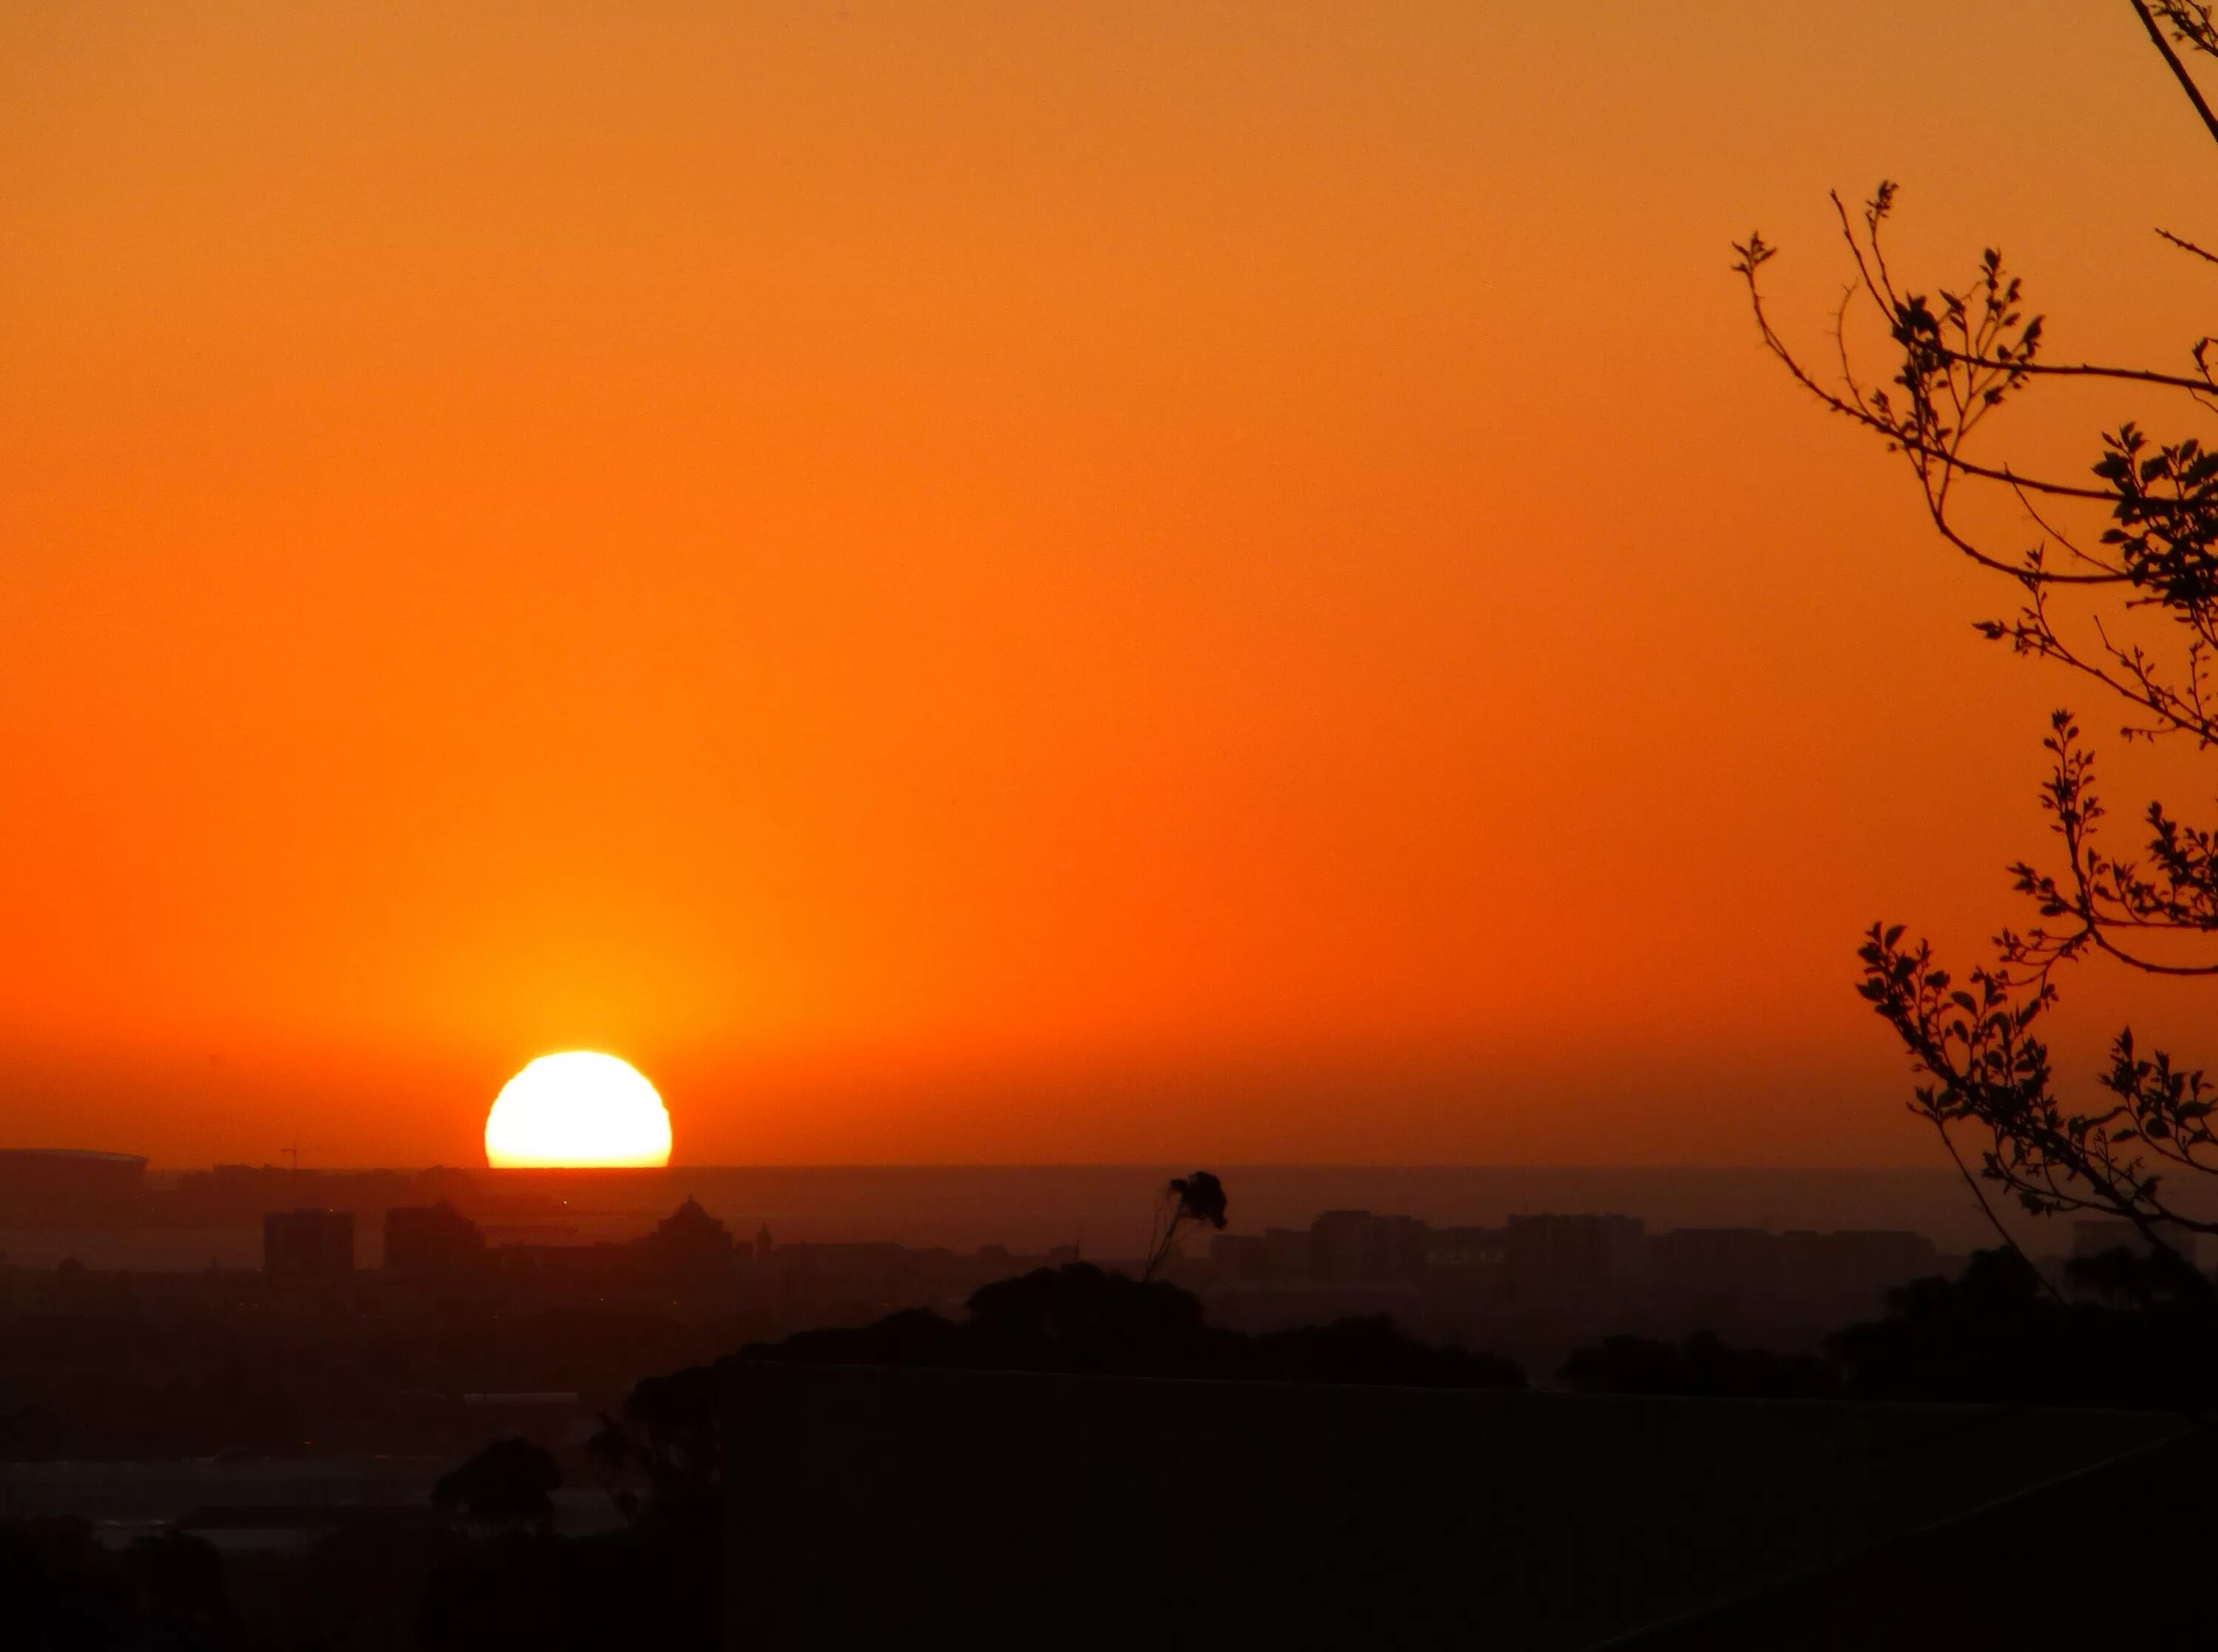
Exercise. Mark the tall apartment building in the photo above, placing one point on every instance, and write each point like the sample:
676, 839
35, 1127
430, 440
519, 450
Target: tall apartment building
308, 1249
431, 1241
1566, 1261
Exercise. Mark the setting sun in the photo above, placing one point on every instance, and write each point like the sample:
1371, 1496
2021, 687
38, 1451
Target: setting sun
578, 1108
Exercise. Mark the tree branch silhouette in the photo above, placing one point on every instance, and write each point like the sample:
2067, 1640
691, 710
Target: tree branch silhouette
2128, 603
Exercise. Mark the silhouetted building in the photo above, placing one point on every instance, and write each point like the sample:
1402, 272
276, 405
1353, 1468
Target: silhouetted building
557, 1272
1277, 1256
873, 1275
241, 1187
1749, 1264
1857, 1261
1718, 1262
1341, 1249
1571, 1260
689, 1246
1237, 1257
67, 1186
1286, 1253
1468, 1263
431, 1241
308, 1249
1352, 1247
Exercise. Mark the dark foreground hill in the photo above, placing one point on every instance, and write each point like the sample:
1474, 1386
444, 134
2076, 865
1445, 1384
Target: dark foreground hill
870, 1504
1079, 1318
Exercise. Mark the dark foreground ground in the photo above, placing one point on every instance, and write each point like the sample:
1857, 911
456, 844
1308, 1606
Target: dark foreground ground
874, 1505
1085, 1460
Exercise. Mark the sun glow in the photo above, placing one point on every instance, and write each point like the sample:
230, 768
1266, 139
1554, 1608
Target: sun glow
578, 1108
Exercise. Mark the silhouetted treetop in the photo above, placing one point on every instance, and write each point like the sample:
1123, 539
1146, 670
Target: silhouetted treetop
1079, 1318
2116, 577
510, 1483
1997, 1335
1198, 1199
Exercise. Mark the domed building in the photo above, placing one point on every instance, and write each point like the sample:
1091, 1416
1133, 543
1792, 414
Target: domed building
68, 1187
689, 1246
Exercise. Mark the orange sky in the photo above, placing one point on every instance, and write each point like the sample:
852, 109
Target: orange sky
1119, 579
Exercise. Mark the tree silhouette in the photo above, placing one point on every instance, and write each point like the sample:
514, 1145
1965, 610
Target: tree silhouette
1081, 1318
676, 1417
2119, 588
60, 1589
509, 1484
1198, 1197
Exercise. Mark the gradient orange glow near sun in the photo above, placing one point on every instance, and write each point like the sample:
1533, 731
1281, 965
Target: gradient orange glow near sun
575, 1109
983, 583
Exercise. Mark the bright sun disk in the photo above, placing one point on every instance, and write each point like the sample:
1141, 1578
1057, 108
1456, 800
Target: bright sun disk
578, 1108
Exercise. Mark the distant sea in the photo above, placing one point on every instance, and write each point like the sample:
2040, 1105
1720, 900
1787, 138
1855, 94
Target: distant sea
1104, 1209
